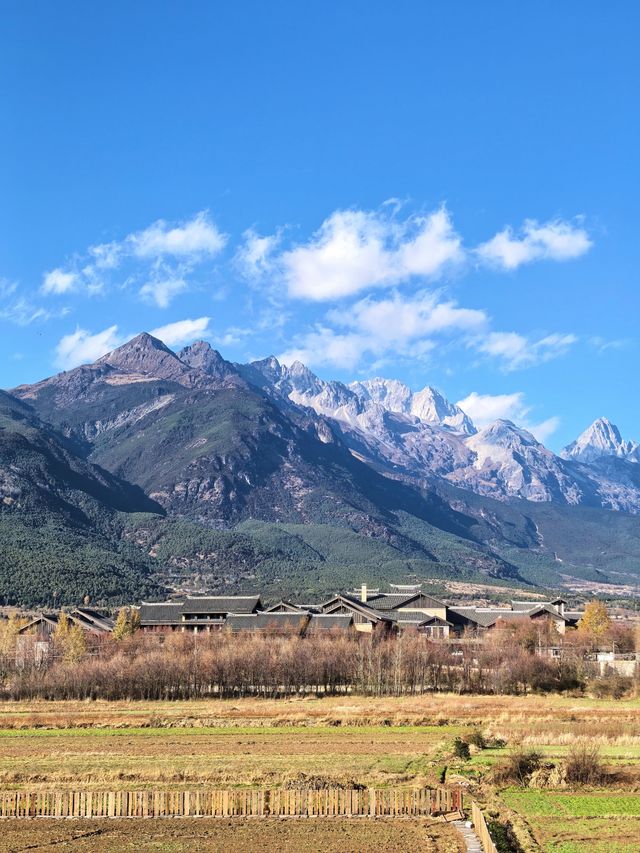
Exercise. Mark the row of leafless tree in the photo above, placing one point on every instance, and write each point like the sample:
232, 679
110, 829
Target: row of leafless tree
180, 666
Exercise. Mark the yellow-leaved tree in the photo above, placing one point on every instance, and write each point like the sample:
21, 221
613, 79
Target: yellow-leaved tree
595, 621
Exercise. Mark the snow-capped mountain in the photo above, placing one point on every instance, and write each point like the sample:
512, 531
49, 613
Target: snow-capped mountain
422, 436
600, 440
427, 405
508, 460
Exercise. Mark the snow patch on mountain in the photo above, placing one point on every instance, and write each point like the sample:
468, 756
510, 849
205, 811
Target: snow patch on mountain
600, 440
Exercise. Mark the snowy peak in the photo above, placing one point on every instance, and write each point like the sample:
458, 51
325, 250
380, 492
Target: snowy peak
504, 434
600, 440
392, 395
427, 405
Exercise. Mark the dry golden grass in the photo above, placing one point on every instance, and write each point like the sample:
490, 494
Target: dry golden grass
622, 716
251, 742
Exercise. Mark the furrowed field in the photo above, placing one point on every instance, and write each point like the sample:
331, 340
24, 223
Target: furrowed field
332, 741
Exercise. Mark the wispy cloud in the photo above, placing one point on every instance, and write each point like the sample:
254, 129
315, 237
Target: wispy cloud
158, 260
21, 310
254, 258
192, 239
163, 290
556, 240
515, 351
401, 319
59, 281
182, 332
483, 409
398, 325
81, 347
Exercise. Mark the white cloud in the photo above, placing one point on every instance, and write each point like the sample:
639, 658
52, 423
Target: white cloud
59, 281
106, 256
543, 430
394, 326
324, 346
517, 351
163, 258
254, 258
81, 347
483, 409
163, 291
399, 320
356, 249
182, 332
193, 238
555, 240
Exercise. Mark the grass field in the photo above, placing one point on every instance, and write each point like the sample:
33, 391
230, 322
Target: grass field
331, 741
569, 821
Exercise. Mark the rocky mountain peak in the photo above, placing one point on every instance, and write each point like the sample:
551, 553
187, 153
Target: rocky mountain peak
504, 434
391, 394
269, 367
142, 353
203, 357
304, 380
431, 406
600, 440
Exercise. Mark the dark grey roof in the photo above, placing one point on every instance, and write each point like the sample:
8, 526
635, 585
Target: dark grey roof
360, 606
573, 615
284, 607
288, 622
221, 604
435, 622
329, 621
161, 613
50, 618
241, 622
392, 600
526, 605
410, 618
547, 608
485, 617
92, 619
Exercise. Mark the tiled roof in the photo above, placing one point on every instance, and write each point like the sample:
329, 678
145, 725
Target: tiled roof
161, 613
435, 622
267, 621
359, 606
92, 619
526, 605
328, 621
221, 604
392, 600
573, 615
284, 607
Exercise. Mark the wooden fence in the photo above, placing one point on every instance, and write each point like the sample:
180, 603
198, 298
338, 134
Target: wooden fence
275, 802
482, 830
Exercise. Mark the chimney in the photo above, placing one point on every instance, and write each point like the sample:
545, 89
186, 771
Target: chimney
363, 593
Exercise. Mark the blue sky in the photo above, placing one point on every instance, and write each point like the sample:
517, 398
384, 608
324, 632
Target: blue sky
444, 193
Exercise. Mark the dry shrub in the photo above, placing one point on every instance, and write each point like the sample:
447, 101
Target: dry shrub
517, 767
612, 686
584, 766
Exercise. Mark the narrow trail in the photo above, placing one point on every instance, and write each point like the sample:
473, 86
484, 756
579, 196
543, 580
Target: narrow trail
470, 838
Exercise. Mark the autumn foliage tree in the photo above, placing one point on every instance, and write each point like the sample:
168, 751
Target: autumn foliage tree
595, 622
